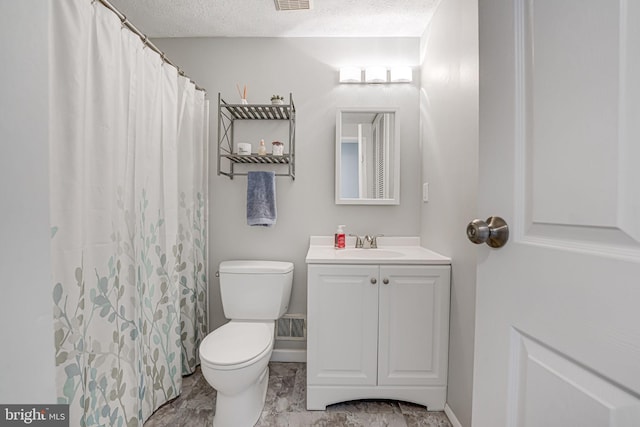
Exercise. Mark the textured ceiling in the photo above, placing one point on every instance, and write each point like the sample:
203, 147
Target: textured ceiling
259, 18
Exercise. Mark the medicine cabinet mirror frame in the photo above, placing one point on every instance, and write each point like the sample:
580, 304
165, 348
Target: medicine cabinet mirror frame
367, 156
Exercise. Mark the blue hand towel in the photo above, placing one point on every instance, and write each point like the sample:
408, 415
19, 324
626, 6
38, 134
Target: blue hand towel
261, 198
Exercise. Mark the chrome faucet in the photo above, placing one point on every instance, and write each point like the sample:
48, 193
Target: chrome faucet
366, 242
358, 240
373, 244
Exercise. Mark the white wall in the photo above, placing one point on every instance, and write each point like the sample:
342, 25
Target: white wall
27, 372
308, 67
449, 137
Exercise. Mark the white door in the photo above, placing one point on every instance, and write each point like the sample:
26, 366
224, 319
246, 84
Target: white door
558, 308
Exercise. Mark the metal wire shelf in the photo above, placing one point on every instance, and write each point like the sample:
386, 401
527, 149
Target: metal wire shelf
228, 114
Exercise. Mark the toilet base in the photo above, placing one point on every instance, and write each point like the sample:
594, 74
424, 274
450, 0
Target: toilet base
243, 409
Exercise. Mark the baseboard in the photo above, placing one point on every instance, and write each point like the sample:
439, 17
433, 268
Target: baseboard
289, 355
451, 416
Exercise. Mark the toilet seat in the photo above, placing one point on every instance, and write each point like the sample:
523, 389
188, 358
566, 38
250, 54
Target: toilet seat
237, 344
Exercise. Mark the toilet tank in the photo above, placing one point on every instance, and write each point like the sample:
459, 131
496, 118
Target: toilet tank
255, 290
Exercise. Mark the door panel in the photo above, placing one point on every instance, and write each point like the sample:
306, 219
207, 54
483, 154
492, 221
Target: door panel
574, 114
557, 324
414, 320
342, 325
545, 385
575, 139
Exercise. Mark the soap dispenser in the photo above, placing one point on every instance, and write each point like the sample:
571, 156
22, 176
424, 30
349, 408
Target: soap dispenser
262, 150
339, 238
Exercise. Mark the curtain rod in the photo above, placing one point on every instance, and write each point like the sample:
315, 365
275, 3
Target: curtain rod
145, 40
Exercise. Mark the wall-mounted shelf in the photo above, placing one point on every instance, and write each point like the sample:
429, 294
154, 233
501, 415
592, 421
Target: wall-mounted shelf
229, 114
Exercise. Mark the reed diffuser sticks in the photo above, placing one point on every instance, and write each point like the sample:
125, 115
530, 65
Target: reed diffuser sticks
243, 93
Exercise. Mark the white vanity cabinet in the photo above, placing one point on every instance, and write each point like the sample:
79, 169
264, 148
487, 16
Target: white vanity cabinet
377, 331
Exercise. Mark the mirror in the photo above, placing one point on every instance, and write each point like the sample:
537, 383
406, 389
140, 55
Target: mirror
367, 157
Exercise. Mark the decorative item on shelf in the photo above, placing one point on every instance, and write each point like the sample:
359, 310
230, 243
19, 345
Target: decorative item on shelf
262, 150
242, 93
277, 148
277, 100
244, 148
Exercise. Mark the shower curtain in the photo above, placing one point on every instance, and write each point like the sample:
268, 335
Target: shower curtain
128, 169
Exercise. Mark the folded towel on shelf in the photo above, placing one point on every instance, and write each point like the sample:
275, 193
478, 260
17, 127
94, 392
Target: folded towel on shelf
261, 198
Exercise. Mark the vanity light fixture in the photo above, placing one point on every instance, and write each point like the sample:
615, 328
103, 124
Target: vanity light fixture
401, 75
375, 75
350, 75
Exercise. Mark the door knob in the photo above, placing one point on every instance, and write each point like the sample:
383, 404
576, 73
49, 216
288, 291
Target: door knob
494, 232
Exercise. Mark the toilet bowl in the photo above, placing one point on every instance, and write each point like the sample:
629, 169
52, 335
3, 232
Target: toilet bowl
234, 360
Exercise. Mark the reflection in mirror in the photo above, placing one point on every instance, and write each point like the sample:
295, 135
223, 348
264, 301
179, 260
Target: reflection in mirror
367, 157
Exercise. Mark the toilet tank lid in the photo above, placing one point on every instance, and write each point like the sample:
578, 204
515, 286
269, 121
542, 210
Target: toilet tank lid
255, 267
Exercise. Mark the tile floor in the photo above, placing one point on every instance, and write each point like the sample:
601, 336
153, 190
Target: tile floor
285, 406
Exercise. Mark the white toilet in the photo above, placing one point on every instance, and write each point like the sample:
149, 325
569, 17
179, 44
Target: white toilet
234, 357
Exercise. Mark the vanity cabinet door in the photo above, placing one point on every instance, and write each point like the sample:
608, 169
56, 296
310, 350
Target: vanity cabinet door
414, 325
342, 324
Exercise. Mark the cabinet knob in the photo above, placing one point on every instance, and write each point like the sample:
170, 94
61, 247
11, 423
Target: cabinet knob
373, 281
385, 281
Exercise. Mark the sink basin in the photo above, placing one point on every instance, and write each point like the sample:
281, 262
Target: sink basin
368, 253
391, 250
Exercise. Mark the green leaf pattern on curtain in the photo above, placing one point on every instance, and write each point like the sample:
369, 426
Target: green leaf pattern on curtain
191, 256
155, 331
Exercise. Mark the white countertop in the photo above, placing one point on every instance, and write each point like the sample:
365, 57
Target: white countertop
391, 250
